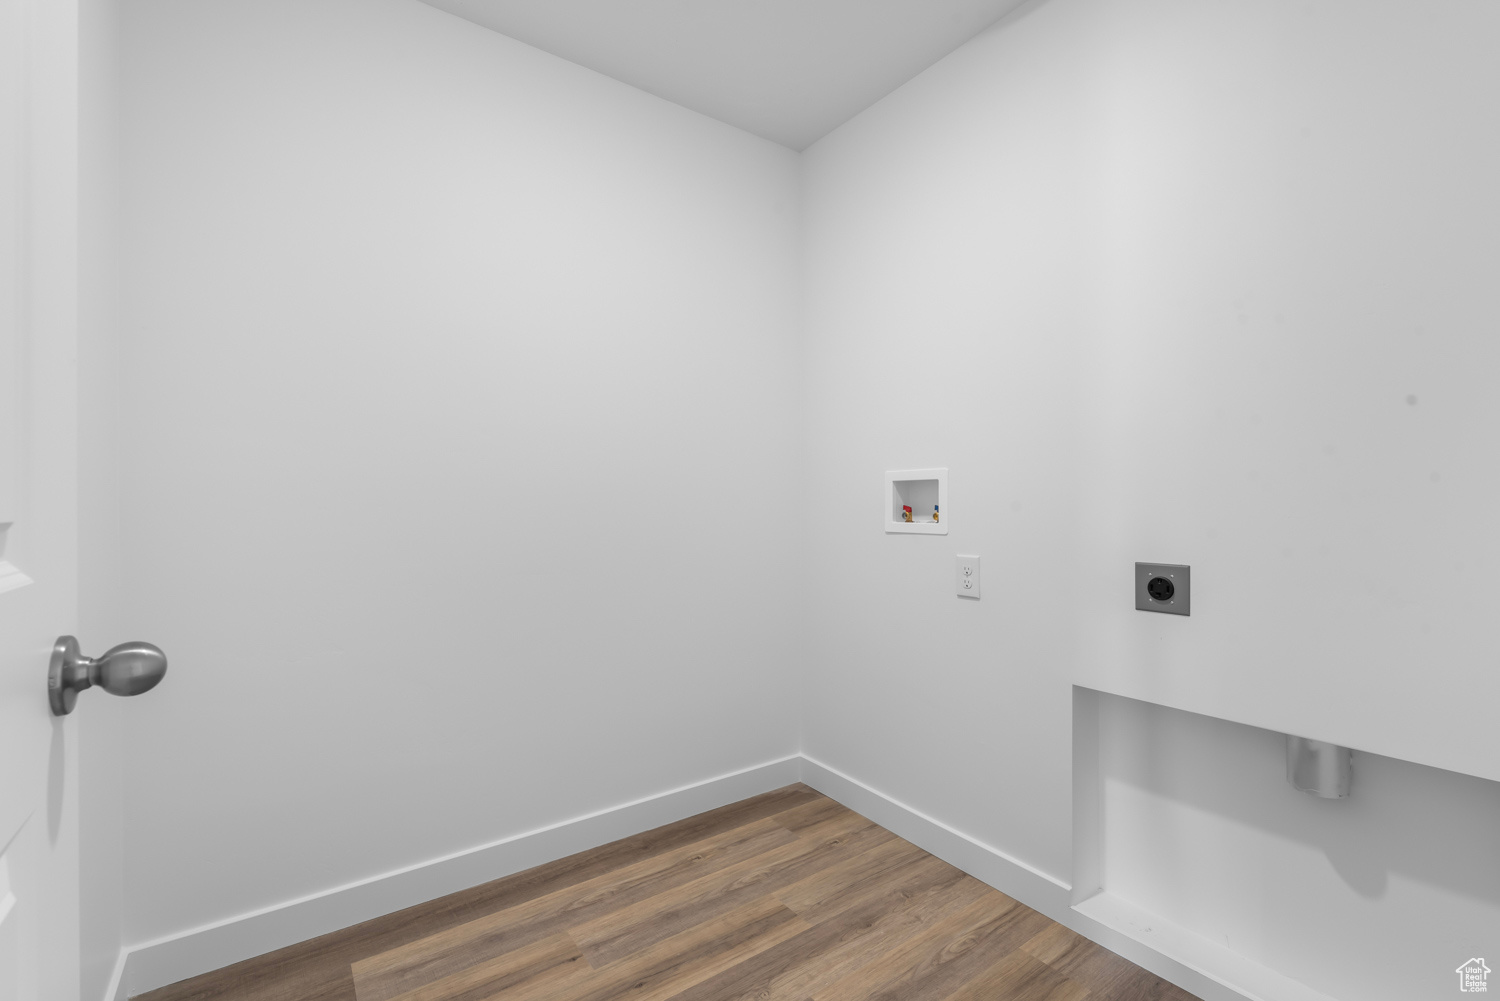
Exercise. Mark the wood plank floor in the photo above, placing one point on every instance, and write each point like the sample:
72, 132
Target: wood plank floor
784, 897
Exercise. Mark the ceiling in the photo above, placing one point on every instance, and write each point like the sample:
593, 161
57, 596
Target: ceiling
788, 70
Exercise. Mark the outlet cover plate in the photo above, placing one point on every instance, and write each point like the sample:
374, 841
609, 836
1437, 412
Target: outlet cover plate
1181, 578
966, 576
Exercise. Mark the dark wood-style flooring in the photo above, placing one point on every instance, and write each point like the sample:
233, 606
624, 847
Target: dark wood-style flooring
784, 896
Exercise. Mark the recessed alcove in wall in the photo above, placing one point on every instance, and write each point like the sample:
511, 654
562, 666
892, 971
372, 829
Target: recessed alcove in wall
925, 493
1188, 837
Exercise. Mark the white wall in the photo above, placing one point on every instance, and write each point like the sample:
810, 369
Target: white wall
1158, 281
100, 723
459, 411
943, 252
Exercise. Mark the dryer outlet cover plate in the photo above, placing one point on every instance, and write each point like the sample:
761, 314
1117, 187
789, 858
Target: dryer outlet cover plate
1164, 587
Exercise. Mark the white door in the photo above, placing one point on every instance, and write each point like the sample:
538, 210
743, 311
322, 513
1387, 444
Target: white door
38, 495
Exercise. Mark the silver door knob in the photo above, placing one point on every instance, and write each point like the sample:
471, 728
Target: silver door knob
127, 669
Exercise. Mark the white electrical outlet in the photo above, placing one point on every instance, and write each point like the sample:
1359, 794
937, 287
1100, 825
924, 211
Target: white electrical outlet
966, 576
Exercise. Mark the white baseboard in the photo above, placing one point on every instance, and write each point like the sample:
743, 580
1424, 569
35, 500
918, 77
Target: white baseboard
1032, 887
116, 989
154, 964
991, 865
1254, 980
